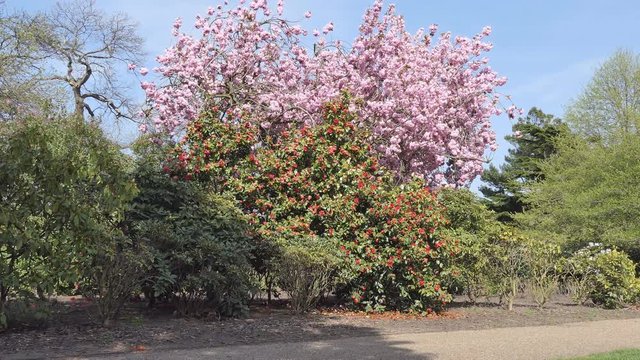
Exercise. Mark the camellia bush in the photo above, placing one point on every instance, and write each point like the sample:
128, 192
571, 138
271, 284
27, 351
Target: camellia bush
320, 187
426, 99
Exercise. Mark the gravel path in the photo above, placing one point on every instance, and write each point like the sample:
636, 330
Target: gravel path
538, 342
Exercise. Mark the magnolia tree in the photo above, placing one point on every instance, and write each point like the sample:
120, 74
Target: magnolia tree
426, 99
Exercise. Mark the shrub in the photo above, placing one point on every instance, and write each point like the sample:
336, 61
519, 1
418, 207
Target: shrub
609, 274
30, 312
306, 272
508, 260
543, 260
399, 259
324, 184
199, 238
63, 183
111, 279
474, 226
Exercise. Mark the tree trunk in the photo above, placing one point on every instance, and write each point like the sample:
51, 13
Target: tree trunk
3, 300
79, 105
269, 289
512, 295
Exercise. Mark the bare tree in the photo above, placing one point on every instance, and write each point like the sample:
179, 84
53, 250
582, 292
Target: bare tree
84, 48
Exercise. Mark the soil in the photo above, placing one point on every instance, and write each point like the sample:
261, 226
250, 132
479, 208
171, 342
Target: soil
70, 331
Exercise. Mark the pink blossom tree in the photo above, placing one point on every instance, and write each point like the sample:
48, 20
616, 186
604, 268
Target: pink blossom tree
426, 99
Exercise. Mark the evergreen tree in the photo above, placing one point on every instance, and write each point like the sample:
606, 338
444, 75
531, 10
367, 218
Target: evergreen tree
534, 139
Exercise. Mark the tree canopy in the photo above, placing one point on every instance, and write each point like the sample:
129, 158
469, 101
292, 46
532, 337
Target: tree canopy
534, 140
609, 106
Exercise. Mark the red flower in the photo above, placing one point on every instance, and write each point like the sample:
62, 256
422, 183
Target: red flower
390, 262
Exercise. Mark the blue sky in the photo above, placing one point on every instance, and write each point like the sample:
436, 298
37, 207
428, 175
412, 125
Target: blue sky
547, 49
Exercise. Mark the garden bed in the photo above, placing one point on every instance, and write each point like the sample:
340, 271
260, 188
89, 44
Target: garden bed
70, 332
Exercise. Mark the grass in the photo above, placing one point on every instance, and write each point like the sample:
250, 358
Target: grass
628, 354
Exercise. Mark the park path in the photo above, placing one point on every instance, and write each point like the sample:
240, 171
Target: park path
539, 342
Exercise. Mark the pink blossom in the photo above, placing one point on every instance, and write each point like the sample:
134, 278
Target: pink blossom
280, 7
307, 15
433, 28
143, 71
176, 26
131, 66
443, 85
328, 28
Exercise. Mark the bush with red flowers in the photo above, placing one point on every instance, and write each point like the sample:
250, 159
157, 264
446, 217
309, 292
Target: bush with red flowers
324, 183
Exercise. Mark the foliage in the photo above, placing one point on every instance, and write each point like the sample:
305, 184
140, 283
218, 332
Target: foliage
20, 92
401, 257
111, 277
199, 240
611, 275
627, 354
590, 194
30, 312
322, 183
427, 103
543, 261
64, 186
535, 138
509, 263
475, 227
609, 107
306, 272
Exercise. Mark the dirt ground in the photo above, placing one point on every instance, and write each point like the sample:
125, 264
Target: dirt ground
71, 332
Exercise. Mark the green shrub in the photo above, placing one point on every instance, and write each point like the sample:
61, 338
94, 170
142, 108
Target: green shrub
305, 272
30, 312
609, 274
508, 258
543, 262
473, 225
111, 277
63, 185
199, 240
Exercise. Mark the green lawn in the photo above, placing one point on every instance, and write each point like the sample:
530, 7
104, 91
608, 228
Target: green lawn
629, 354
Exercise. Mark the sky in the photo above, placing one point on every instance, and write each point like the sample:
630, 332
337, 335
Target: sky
548, 49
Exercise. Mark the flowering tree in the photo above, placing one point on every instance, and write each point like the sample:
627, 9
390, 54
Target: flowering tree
426, 100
